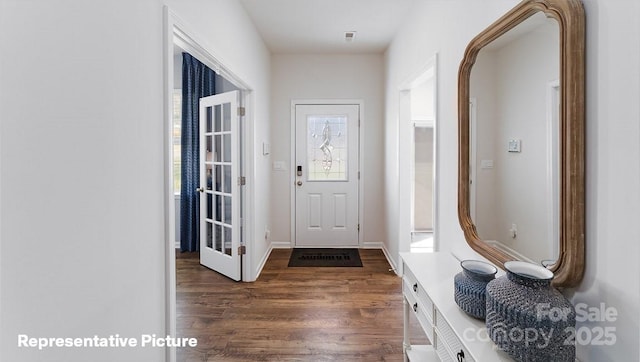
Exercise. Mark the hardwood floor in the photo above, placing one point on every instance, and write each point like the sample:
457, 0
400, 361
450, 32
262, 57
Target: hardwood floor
292, 314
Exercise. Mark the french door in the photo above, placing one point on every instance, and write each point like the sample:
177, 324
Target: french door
219, 184
326, 175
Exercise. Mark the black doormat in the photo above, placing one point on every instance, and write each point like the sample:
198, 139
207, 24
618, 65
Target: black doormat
325, 257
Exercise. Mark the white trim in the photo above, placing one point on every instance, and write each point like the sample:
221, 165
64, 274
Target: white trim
395, 267
360, 104
187, 40
169, 201
436, 157
176, 201
175, 32
404, 217
281, 245
372, 245
247, 144
263, 262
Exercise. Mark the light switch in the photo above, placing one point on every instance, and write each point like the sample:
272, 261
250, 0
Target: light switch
514, 145
266, 148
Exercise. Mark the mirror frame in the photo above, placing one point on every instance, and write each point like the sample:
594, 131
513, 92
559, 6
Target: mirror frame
569, 267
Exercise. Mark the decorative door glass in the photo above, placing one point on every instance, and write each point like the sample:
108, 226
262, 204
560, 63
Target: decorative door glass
327, 157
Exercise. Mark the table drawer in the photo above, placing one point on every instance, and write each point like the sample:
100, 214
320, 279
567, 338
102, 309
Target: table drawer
418, 291
445, 335
419, 310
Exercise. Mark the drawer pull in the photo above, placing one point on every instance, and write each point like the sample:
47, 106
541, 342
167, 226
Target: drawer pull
460, 356
415, 307
415, 287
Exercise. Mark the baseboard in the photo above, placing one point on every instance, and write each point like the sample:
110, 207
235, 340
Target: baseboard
281, 245
372, 245
262, 263
392, 262
385, 251
265, 257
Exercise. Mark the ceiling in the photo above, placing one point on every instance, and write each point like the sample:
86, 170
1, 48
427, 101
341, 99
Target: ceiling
319, 26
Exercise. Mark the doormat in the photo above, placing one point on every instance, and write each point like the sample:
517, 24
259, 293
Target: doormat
325, 257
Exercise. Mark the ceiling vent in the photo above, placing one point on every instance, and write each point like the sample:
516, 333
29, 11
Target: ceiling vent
349, 36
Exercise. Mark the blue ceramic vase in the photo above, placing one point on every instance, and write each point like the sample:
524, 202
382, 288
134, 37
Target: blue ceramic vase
528, 318
470, 286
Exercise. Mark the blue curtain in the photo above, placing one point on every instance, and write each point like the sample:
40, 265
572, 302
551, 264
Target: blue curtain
197, 81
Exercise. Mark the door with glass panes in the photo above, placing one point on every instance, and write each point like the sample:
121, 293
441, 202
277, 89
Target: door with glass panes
220, 191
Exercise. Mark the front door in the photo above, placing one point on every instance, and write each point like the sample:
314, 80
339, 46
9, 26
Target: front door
219, 184
326, 175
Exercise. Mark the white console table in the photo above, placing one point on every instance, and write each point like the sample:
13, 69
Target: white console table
427, 286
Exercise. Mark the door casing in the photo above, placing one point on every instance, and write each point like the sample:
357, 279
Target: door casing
178, 33
292, 178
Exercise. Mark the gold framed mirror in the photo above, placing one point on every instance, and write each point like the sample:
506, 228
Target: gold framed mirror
568, 219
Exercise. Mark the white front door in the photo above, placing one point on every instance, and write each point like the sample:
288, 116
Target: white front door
326, 175
219, 186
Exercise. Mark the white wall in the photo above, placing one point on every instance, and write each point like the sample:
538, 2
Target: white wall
422, 108
82, 176
430, 30
81, 203
613, 147
613, 174
328, 77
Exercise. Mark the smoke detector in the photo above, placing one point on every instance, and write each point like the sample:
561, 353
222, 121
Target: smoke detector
349, 36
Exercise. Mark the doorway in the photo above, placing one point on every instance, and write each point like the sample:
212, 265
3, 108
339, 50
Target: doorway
422, 186
177, 38
326, 175
417, 150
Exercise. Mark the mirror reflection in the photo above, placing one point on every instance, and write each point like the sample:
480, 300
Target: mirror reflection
514, 154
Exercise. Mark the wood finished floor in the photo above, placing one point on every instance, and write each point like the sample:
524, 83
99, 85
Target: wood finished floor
292, 314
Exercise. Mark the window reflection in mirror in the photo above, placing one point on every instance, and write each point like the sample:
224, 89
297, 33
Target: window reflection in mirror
515, 148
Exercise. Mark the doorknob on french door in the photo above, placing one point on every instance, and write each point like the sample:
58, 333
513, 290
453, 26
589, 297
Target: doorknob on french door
299, 183
200, 189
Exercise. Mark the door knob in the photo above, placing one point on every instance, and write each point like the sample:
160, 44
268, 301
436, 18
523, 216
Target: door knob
200, 189
299, 183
